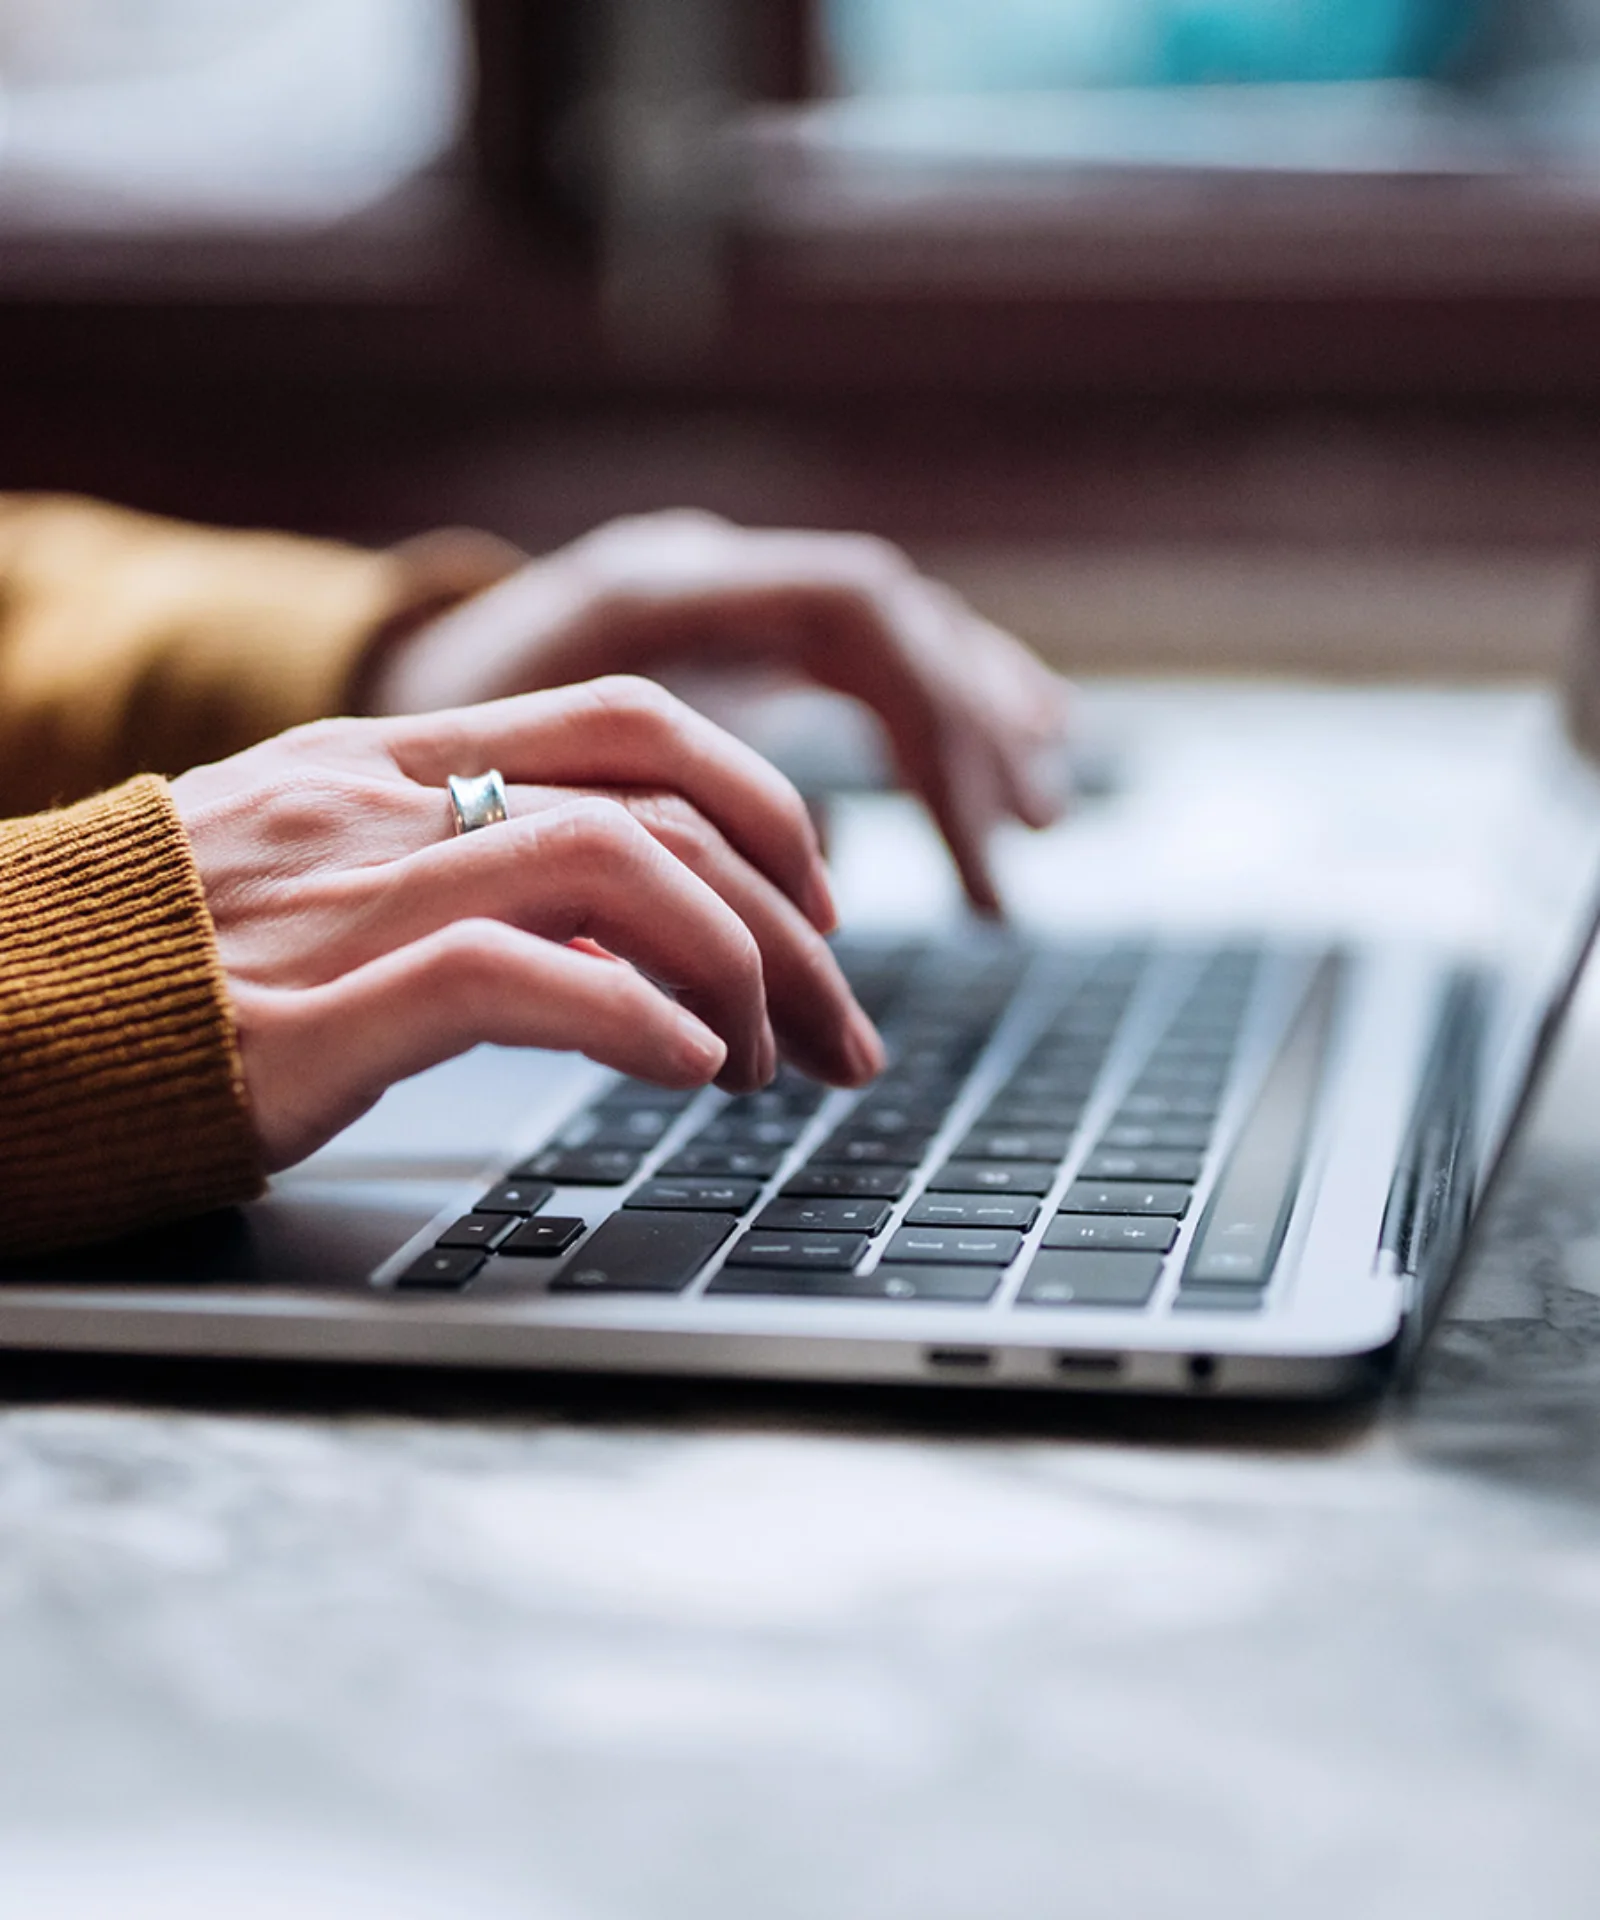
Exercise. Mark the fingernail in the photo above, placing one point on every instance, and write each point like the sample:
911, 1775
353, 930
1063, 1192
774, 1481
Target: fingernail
1047, 776
703, 1053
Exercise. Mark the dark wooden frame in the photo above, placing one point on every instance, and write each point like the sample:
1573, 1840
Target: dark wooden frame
293, 379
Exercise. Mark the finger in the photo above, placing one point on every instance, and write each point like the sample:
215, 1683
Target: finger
623, 731
315, 1060
894, 646
987, 684
961, 788
1027, 715
818, 1022
952, 768
819, 1025
583, 870
1038, 782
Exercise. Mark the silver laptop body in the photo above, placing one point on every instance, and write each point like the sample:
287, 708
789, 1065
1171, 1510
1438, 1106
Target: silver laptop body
1327, 1100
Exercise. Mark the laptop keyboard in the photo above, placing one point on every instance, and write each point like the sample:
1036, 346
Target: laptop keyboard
1045, 1137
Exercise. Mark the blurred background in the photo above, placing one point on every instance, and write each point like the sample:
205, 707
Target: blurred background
1209, 334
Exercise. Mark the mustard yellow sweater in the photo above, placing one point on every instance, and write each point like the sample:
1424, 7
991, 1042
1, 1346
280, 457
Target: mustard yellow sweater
133, 646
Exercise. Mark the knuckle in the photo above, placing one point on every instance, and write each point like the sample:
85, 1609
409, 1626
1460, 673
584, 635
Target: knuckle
630, 693
316, 737
872, 559
640, 710
744, 954
673, 819
668, 520
795, 813
686, 520
980, 640
595, 827
582, 846
630, 1001
469, 959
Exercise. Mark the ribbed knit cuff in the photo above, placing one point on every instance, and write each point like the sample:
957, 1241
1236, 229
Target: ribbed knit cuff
121, 1096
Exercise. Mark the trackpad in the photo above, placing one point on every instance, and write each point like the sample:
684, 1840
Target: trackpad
316, 1234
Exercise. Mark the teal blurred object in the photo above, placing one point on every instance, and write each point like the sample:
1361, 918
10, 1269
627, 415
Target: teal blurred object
961, 46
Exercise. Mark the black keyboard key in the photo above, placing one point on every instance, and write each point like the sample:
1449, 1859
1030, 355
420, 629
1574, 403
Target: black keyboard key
829, 1215
789, 1097
752, 1130
1068, 1089
542, 1239
1061, 1059
1191, 1136
732, 1163
1006, 1115
1219, 1299
888, 1117
1116, 1163
443, 1271
1216, 1048
1203, 1035
1248, 1213
956, 1285
1167, 1106
993, 1176
821, 1181
514, 1196
645, 1253
1182, 1076
636, 1127
581, 1166
912, 1066
1116, 1233
1090, 1280
1211, 1013
955, 1246
1205, 1100
834, 1252
478, 1230
703, 1195
985, 1144
893, 1150
1081, 1034
624, 1094
1052, 1095
1017, 1211
1126, 1196
922, 1093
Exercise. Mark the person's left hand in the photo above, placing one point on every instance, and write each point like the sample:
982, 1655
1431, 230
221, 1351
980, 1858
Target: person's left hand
976, 721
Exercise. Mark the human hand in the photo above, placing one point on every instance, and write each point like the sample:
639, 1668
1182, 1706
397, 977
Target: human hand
975, 720
362, 940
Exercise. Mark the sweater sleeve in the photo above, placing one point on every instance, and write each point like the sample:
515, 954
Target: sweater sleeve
133, 644
117, 1052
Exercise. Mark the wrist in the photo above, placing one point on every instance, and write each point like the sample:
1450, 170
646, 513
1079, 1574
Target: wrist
439, 573
117, 1046
522, 633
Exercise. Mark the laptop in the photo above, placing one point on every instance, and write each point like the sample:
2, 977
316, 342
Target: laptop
1215, 1117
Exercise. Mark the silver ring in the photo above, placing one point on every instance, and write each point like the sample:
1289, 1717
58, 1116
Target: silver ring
477, 800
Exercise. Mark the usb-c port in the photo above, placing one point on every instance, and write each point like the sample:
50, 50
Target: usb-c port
1100, 1363
960, 1359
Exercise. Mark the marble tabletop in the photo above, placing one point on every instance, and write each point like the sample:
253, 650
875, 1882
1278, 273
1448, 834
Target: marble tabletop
284, 1643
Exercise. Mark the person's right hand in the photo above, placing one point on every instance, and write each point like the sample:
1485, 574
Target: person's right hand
976, 721
362, 940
